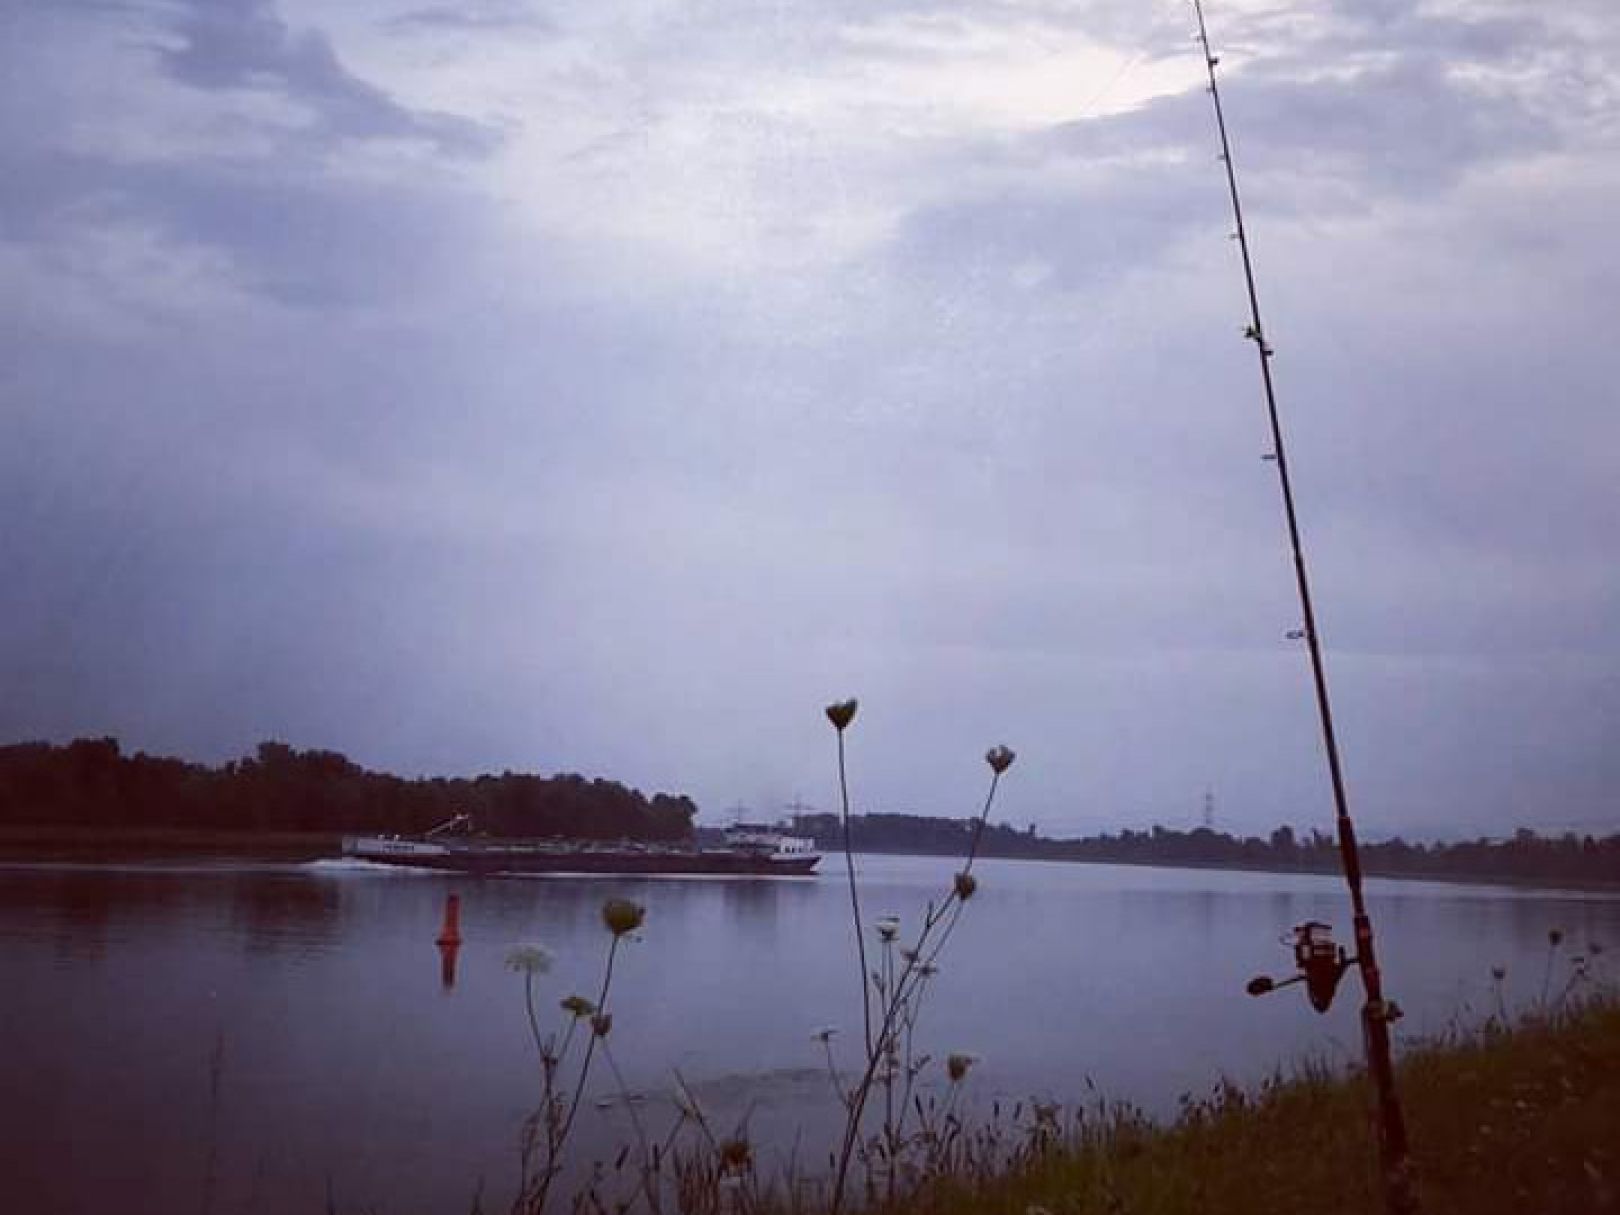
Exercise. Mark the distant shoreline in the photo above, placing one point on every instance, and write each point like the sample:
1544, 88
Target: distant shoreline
1454, 879
47, 843
65, 843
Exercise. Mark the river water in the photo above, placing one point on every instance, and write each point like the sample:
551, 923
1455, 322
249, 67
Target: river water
221, 1037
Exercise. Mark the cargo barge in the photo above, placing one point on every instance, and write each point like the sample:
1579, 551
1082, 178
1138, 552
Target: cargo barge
751, 850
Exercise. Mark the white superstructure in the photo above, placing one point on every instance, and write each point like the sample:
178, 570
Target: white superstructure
772, 841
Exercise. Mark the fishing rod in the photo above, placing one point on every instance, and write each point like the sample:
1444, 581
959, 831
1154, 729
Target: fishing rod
1319, 962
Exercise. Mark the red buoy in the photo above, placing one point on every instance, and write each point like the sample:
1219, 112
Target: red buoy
450, 933
447, 964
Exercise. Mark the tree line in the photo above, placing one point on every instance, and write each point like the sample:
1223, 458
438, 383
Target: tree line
91, 783
1523, 856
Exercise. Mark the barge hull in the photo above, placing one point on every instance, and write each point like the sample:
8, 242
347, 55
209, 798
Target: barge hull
718, 864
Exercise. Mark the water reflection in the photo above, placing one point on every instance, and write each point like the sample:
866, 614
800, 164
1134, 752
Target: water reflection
275, 912
449, 951
85, 911
309, 990
755, 907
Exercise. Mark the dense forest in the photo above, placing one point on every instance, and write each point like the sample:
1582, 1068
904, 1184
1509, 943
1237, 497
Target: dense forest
1524, 856
92, 783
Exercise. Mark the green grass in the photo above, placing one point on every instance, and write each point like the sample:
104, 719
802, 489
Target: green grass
1523, 1120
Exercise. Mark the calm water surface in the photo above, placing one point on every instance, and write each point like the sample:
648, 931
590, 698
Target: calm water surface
240, 1037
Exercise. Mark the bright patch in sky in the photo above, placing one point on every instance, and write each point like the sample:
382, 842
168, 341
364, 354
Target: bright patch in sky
606, 387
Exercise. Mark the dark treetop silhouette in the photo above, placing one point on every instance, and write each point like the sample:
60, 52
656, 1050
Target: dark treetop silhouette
91, 783
1523, 857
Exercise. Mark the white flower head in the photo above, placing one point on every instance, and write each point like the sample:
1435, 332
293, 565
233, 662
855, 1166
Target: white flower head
529, 959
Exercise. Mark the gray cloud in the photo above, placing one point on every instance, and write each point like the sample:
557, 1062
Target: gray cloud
1096, 197
241, 44
469, 16
392, 451
301, 239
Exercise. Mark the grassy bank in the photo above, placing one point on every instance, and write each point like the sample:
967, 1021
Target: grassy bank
89, 844
1521, 1120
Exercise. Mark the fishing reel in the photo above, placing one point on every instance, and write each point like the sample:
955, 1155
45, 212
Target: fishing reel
1320, 963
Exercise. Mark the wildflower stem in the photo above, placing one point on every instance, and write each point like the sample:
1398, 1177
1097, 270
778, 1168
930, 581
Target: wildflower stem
697, 1115
534, 1022
854, 897
984, 814
909, 1023
887, 1046
895, 999
1577, 976
953, 903
649, 1183
945, 933
568, 1039
832, 1074
559, 1139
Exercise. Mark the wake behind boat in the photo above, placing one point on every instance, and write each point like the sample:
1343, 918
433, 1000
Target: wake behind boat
751, 850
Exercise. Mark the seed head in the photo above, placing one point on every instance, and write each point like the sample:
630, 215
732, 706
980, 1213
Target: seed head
736, 1154
602, 1024
577, 1006
1499, 973
956, 1066
1000, 759
888, 927
842, 712
1555, 937
622, 916
824, 1034
965, 884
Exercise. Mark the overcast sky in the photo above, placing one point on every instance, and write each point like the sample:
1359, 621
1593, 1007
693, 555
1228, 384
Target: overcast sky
605, 387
